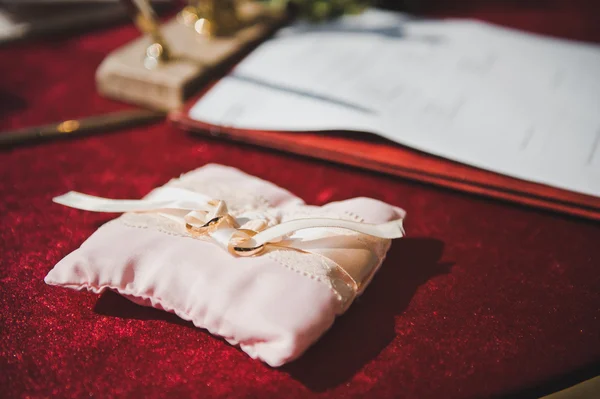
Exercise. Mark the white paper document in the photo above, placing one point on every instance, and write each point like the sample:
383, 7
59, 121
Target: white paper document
514, 103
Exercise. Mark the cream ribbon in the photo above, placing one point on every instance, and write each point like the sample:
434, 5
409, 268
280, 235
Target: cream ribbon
203, 214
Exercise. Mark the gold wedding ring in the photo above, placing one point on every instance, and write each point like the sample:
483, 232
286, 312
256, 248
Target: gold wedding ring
205, 228
236, 241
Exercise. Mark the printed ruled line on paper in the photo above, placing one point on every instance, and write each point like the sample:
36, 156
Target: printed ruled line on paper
527, 138
300, 92
594, 150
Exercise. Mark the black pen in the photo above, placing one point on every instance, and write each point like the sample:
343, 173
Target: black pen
80, 127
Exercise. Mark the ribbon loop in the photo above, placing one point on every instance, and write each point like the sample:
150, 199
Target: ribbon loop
164, 198
389, 230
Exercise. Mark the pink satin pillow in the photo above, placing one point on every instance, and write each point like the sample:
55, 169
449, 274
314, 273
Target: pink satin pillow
274, 306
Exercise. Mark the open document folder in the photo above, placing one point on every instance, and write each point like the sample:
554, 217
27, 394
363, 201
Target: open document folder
513, 103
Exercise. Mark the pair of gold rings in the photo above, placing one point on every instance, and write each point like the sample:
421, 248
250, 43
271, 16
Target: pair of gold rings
235, 243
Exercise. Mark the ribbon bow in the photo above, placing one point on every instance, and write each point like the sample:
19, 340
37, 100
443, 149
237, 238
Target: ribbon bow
207, 217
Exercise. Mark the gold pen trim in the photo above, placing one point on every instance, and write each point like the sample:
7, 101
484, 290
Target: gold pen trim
68, 126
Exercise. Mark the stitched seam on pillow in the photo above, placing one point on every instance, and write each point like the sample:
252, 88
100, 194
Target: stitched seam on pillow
154, 228
354, 216
311, 276
160, 230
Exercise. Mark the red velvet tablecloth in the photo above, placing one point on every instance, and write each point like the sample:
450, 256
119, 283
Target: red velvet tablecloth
483, 298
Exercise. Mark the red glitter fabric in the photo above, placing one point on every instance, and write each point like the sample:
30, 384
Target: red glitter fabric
483, 298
